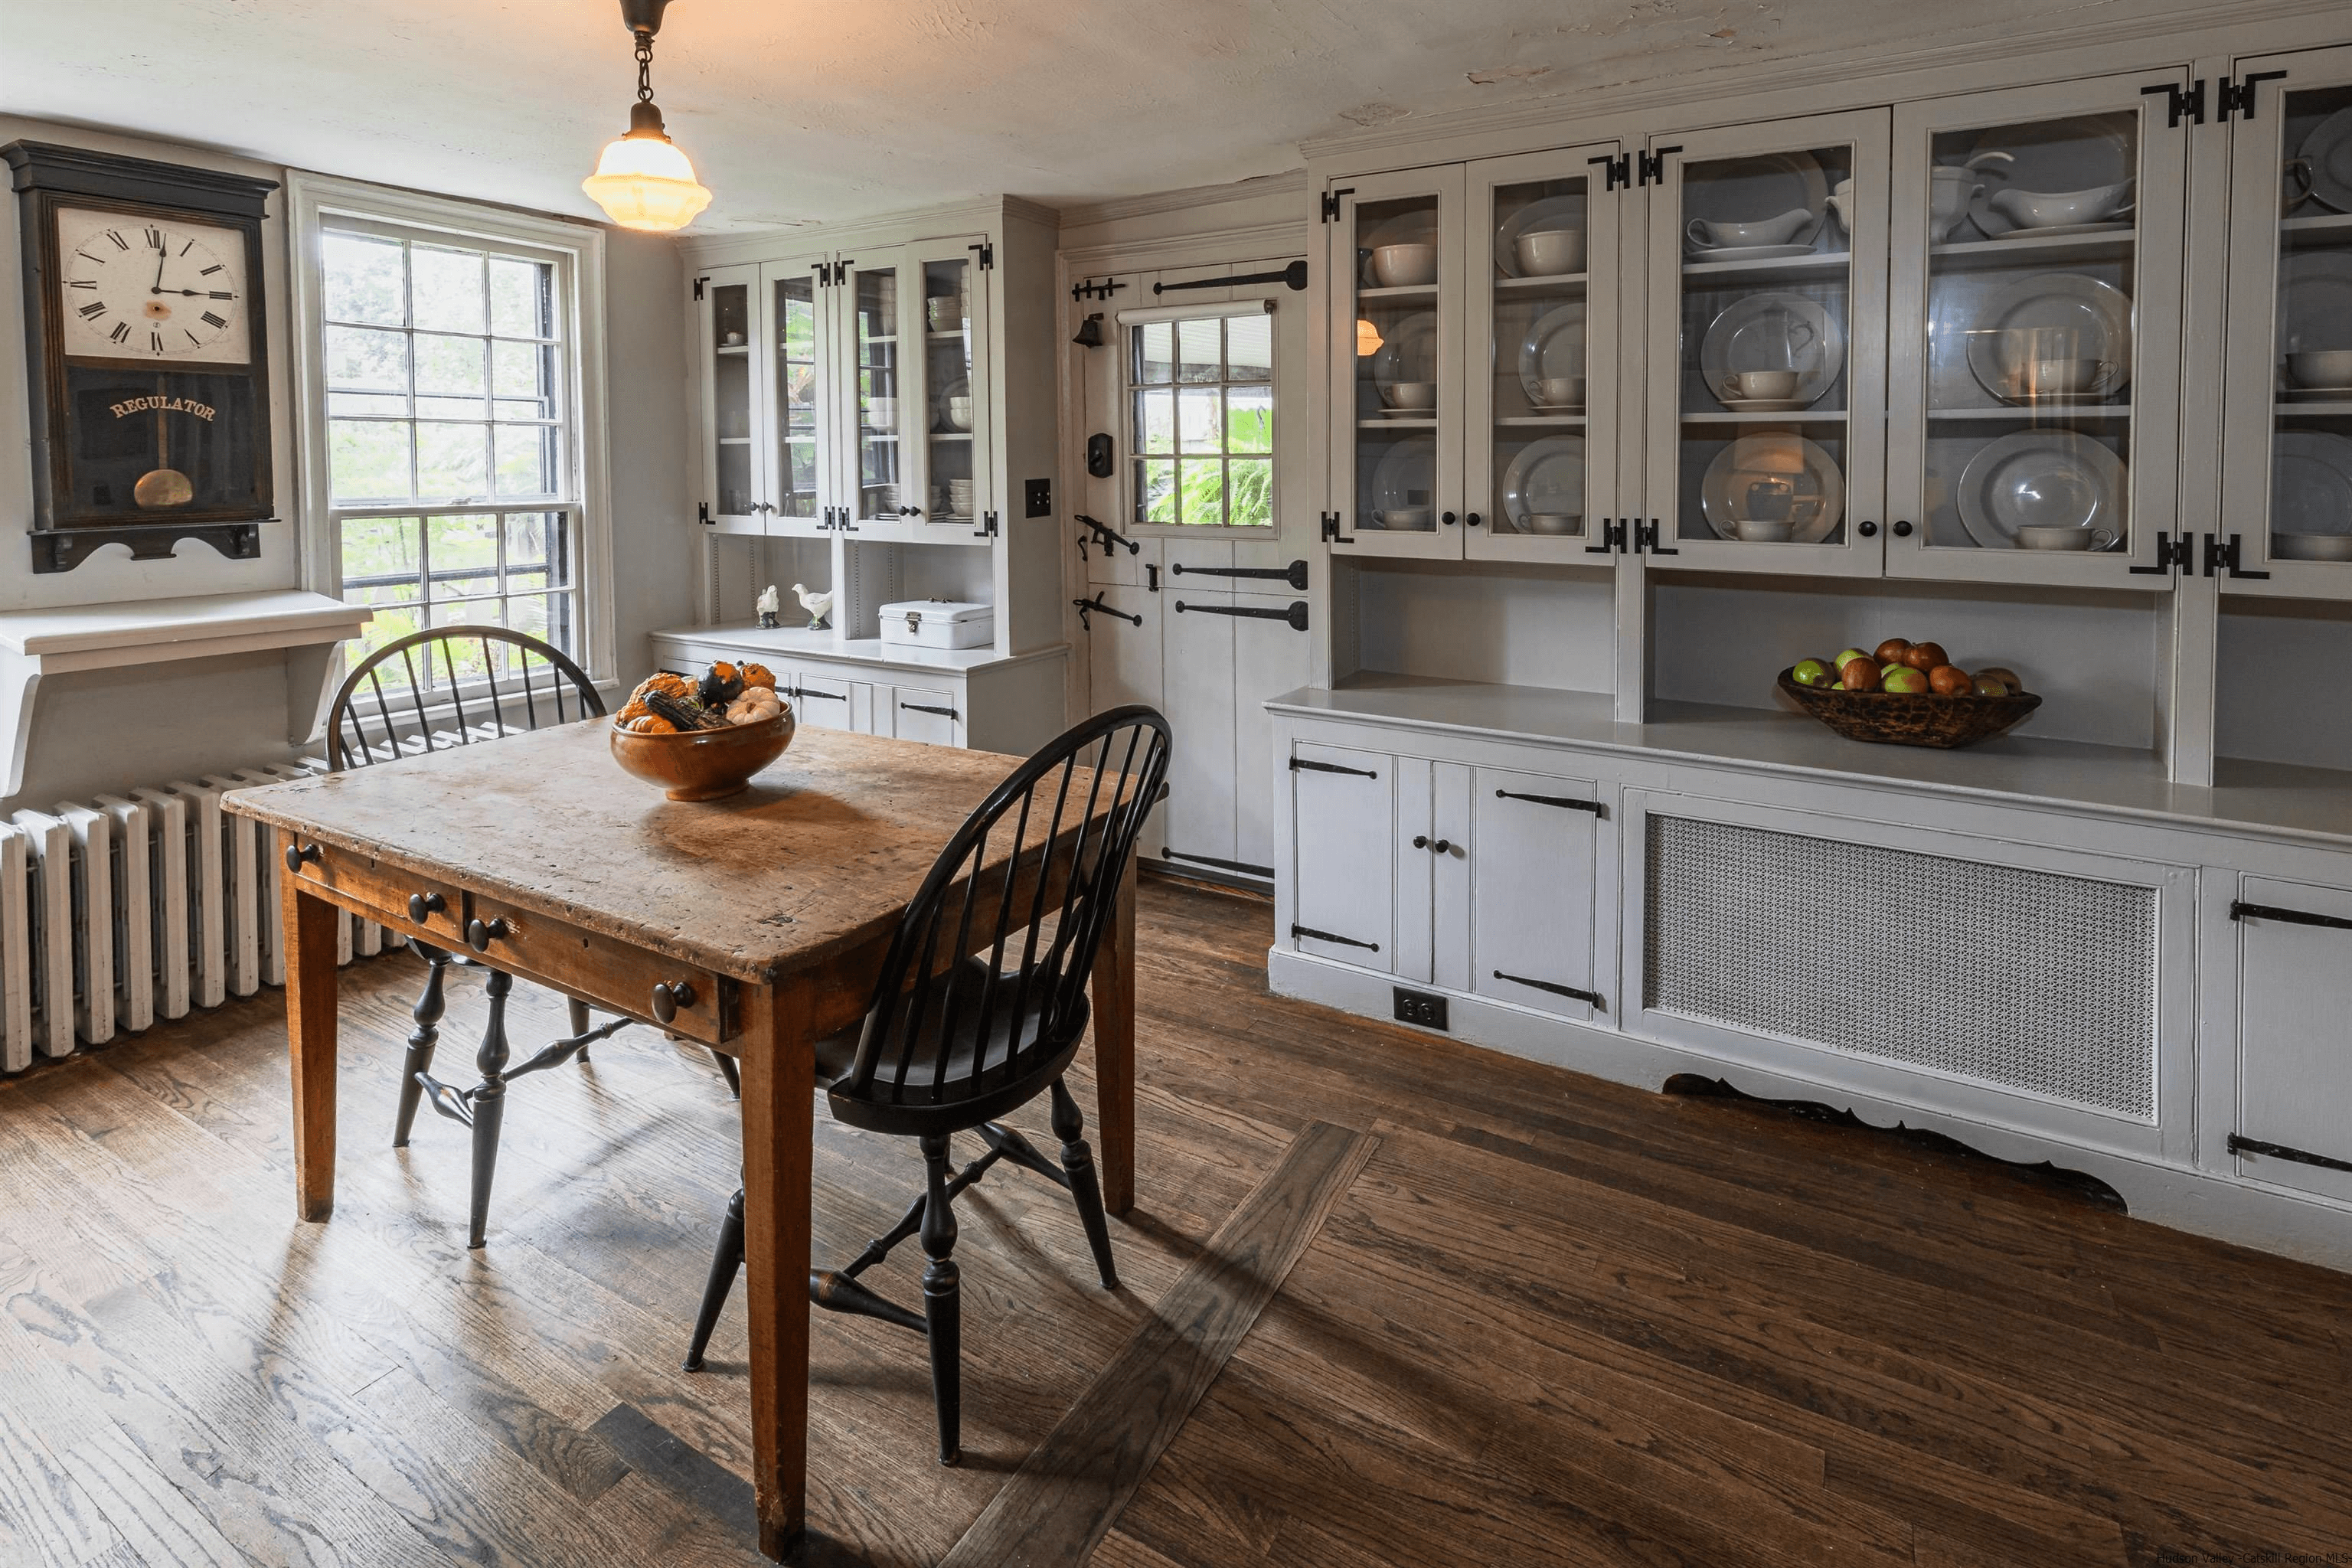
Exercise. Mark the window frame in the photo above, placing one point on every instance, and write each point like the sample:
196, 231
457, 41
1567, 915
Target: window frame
576, 251
1126, 322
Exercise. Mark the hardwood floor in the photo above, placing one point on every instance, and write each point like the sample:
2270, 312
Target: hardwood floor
1385, 1300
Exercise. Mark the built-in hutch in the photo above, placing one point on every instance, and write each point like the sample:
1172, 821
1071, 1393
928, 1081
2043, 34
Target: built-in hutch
875, 421
2047, 358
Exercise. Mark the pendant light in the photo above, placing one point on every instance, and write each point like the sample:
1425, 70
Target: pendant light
643, 181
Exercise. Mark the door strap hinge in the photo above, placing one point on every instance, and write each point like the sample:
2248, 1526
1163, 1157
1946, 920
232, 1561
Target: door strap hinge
1592, 997
1242, 866
1613, 537
1295, 616
2221, 557
1298, 931
987, 528
1620, 169
1086, 607
698, 287
1646, 537
1563, 801
2245, 911
1331, 535
927, 708
2241, 98
2169, 552
2281, 1152
1331, 202
1105, 535
1294, 574
1302, 766
987, 249
1653, 167
702, 513
2179, 101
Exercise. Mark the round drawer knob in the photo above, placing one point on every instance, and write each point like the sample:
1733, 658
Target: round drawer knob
1868, 529
1446, 518
1421, 841
296, 854
480, 933
1902, 530
669, 999
1441, 848
1472, 519
422, 904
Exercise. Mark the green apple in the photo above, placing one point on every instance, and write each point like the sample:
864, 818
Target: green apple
1811, 672
1842, 660
1885, 670
1905, 681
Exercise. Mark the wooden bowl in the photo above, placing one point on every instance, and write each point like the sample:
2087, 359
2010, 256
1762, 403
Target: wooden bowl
1902, 719
704, 765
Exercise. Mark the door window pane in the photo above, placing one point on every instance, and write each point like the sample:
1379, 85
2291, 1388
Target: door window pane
1218, 415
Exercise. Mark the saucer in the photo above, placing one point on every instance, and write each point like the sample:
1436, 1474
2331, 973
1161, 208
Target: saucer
1408, 414
1764, 405
1558, 407
1751, 253
2066, 230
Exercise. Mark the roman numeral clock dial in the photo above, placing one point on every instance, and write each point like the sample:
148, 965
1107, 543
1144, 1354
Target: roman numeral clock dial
147, 291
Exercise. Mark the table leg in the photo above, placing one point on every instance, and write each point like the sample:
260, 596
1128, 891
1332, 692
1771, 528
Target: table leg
1114, 1020
310, 1040
779, 1074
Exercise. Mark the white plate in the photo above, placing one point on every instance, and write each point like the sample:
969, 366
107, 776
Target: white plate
1409, 352
1550, 212
2329, 147
2069, 154
2315, 295
2053, 478
2101, 312
1749, 252
1405, 475
1548, 476
1819, 501
2311, 482
1737, 341
2063, 230
1753, 188
1553, 347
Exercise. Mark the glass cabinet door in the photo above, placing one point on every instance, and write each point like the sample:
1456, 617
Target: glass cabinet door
1396, 267
947, 385
799, 486
1766, 321
730, 395
1540, 385
876, 486
2037, 327
2287, 419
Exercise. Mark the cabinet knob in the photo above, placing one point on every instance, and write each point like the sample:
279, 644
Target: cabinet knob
422, 904
1421, 841
1446, 518
296, 854
1868, 529
480, 933
669, 999
1902, 530
1472, 519
1440, 846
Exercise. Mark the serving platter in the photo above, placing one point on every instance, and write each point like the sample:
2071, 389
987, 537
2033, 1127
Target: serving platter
2059, 301
1815, 510
2311, 483
1554, 347
2051, 479
1548, 476
1738, 340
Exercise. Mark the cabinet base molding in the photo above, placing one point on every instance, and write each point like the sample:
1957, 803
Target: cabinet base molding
2235, 1210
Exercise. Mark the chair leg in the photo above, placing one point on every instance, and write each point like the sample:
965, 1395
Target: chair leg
1078, 1164
724, 1263
733, 1075
581, 1024
489, 1103
427, 1013
942, 1303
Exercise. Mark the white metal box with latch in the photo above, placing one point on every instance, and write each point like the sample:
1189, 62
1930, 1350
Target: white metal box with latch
937, 624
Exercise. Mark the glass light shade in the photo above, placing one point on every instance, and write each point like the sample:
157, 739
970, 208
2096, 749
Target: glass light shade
1368, 339
645, 182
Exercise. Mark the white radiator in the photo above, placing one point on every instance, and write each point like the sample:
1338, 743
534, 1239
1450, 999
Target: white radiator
135, 907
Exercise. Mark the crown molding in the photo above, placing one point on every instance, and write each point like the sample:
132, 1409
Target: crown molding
1081, 215
1244, 243
983, 213
2184, 32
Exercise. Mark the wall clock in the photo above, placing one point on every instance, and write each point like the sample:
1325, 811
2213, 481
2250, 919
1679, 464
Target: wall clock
149, 365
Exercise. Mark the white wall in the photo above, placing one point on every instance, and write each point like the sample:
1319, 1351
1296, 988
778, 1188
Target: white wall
116, 729
1511, 625
2279, 696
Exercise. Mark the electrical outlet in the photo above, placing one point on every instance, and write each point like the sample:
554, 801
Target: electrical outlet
1037, 496
1420, 1007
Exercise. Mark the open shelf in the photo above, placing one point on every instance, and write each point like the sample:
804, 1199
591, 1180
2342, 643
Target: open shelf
1401, 293
1541, 421
2319, 229
1428, 423
1793, 416
1821, 267
1559, 282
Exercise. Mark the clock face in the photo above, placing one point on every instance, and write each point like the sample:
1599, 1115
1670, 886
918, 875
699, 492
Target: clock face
161, 289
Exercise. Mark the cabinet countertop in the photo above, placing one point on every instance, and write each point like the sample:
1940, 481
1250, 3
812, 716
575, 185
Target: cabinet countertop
800, 643
2271, 799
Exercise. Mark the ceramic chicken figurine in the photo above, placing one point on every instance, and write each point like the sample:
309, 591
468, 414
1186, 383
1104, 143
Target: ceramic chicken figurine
818, 605
770, 602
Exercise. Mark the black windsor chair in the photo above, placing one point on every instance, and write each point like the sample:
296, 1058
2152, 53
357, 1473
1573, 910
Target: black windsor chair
979, 1008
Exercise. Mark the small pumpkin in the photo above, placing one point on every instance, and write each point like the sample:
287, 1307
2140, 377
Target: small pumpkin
652, 724
664, 682
759, 675
634, 709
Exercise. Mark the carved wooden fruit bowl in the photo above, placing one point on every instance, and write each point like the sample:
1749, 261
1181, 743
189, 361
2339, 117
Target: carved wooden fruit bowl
1901, 718
704, 765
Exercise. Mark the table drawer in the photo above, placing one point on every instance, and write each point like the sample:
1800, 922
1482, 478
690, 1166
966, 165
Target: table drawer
386, 892
600, 969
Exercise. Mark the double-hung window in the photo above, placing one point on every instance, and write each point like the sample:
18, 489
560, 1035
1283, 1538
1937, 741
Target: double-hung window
1200, 396
452, 457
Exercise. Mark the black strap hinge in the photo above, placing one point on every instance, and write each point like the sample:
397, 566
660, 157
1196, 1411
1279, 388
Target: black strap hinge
1242, 866
1294, 574
2281, 1152
1592, 997
2245, 911
2179, 101
1613, 537
2241, 98
1298, 931
1620, 169
987, 528
927, 708
1331, 202
2170, 552
1646, 537
987, 249
1653, 167
2221, 558
1564, 802
698, 287
1331, 535
702, 513
1295, 616
1302, 766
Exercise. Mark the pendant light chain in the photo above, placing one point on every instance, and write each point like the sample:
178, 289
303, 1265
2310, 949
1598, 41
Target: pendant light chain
644, 68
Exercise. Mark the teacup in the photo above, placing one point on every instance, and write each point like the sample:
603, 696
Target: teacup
1761, 385
1404, 266
2053, 209
1411, 518
1410, 393
1761, 530
1780, 230
1559, 392
2063, 536
1549, 252
2063, 377
2321, 367
1555, 522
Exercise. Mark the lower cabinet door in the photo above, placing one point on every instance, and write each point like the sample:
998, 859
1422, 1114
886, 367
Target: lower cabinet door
2295, 1035
1199, 816
1343, 809
1270, 658
1531, 890
823, 701
929, 716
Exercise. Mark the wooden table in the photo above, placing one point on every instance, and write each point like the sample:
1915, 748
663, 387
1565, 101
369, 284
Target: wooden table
774, 907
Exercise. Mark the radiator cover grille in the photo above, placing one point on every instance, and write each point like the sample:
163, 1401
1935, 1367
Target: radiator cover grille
2026, 979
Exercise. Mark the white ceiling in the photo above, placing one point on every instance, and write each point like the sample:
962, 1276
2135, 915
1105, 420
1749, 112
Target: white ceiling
805, 110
